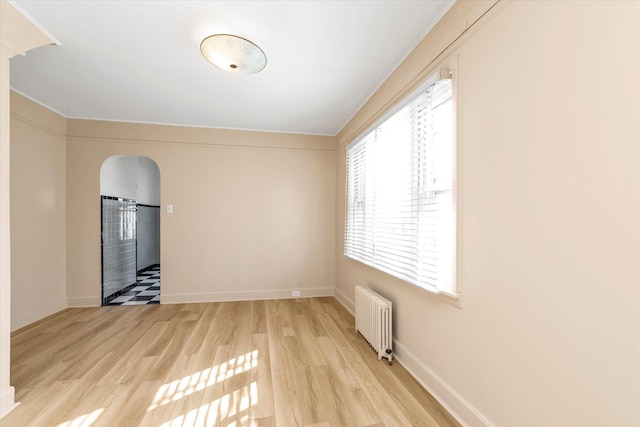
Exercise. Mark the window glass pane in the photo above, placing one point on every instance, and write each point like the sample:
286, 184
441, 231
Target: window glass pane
400, 192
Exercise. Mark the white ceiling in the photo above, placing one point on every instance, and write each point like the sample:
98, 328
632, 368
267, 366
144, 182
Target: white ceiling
140, 61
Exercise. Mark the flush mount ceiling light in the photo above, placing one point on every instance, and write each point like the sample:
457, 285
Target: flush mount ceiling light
234, 54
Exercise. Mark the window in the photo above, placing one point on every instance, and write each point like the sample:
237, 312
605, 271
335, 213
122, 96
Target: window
400, 216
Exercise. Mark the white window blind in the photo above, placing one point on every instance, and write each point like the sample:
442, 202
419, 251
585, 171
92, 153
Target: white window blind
400, 192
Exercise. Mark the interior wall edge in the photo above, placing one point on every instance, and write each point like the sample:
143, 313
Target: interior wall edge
7, 401
452, 401
35, 115
80, 302
345, 301
452, 31
167, 298
36, 314
100, 131
36, 125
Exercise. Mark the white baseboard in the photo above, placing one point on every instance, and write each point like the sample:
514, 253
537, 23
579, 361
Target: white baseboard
346, 301
84, 301
166, 298
451, 400
7, 401
23, 319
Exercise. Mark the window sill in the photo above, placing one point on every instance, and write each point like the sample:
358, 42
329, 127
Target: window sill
454, 299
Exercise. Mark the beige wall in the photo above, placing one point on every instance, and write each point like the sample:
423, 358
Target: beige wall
548, 122
253, 212
38, 276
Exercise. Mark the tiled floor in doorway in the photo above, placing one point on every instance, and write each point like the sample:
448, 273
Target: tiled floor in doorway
146, 290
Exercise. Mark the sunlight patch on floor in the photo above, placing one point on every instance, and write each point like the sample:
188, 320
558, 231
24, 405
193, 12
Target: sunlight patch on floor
231, 408
197, 381
85, 420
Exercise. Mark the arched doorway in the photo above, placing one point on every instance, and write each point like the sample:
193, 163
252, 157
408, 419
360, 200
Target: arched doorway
130, 228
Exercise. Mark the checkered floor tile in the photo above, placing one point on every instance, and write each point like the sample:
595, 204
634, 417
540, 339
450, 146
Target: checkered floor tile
146, 291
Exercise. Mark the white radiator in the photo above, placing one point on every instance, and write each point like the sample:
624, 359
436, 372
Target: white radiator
373, 321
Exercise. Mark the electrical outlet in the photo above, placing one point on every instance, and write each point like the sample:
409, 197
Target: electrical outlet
295, 293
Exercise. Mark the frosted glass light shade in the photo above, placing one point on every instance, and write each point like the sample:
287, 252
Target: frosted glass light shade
233, 54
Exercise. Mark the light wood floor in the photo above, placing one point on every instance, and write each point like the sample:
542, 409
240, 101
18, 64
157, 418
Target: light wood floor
255, 363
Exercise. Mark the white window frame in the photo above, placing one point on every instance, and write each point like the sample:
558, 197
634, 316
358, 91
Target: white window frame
450, 293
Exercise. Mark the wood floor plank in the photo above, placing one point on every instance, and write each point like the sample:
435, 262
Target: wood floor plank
280, 315
62, 398
311, 317
282, 363
307, 350
186, 397
284, 398
38, 398
242, 328
265, 422
307, 393
129, 405
389, 379
206, 315
277, 323
261, 377
213, 339
259, 317
212, 396
350, 390
340, 316
333, 405
390, 414
279, 327
175, 342
88, 405
162, 405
